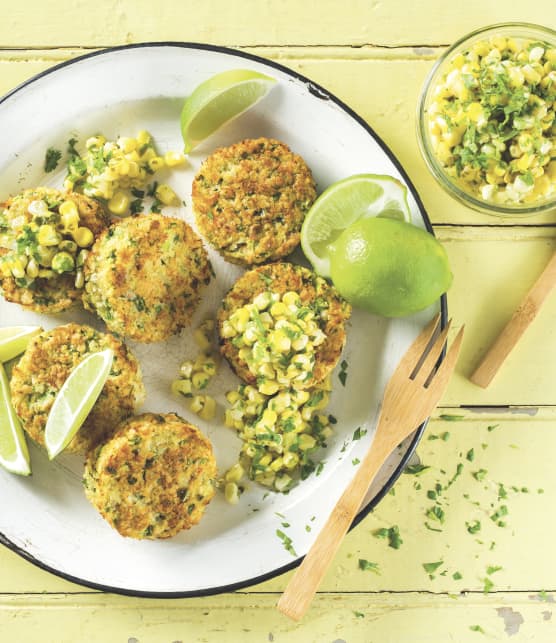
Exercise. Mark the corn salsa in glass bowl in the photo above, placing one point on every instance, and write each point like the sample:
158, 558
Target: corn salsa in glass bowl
486, 119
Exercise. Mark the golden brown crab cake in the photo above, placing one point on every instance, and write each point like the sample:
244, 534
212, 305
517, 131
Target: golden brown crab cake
47, 362
283, 316
153, 478
250, 200
144, 276
44, 237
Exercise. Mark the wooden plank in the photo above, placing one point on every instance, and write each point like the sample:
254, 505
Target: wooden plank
382, 86
33, 23
517, 453
252, 618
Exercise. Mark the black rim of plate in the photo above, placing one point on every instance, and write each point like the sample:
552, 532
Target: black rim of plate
322, 94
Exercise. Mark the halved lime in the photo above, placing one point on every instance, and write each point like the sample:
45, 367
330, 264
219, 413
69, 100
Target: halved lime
14, 340
14, 455
75, 400
219, 99
360, 196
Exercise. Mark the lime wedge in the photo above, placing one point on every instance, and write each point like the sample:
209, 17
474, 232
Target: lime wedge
75, 400
14, 455
360, 196
219, 99
14, 340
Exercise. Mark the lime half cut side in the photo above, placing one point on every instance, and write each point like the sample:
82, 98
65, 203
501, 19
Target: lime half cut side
218, 100
14, 455
345, 202
75, 400
14, 340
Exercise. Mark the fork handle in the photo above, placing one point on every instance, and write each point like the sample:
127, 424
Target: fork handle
299, 592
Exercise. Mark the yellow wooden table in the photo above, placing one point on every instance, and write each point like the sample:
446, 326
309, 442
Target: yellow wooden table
448, 580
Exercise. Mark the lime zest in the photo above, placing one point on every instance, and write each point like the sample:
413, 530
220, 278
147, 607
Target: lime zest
14, 455
14, 340
75, 400
360, 196
218, 100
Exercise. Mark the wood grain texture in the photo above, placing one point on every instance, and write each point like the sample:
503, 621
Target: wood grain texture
33, 23
252, 618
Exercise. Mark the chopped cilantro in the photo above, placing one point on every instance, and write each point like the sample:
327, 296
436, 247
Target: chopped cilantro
480, 474
286, 541
359, 433
436, 513
470, 455
488, 585
359, 614
367, 566
476, 628
457, 576
447, 417
491, 569
51, 159
430, 568
473, 527
415, 469
355, 461
492, 427
392, 534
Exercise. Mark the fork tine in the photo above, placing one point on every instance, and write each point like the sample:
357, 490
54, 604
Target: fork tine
440, 379
411, 358
424, 370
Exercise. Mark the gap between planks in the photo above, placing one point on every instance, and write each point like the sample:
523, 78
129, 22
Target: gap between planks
284, 52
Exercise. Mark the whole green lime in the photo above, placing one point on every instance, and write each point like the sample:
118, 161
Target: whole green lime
389, 267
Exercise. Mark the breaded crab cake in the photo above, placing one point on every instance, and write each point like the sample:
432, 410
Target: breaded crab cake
281, 325
44, 238
153, 478
49, 359
250, 200
144, 275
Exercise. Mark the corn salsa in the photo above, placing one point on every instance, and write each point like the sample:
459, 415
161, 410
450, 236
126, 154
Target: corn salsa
491, 120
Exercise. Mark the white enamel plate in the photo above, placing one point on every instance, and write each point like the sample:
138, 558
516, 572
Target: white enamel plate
46, 518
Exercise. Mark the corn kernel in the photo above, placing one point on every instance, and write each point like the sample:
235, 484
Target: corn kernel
32, 269
182, 387
282, 482
48, 236
174, 158
127, 144
119, 203
63, 262
201, 340
200, 380
18, 269
38, 208
166, 195
156, 163
143, 137
235, 473
231, 493
269, 388
209, 408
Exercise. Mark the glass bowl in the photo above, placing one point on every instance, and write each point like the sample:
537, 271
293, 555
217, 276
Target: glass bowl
482, 143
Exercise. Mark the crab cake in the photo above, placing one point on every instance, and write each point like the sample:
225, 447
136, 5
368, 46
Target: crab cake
281, 325
44, 238
144, 275
49, 359
153, 478
251, 198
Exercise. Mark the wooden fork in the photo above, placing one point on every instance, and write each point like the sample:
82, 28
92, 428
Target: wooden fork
411, 394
